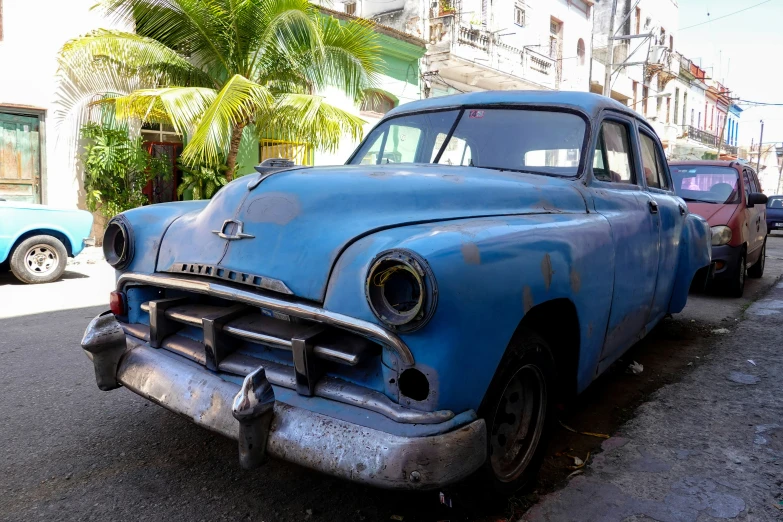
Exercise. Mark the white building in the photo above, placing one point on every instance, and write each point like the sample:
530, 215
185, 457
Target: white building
38, 162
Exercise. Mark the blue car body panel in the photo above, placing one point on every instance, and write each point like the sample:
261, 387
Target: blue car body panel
18, 219
499, 243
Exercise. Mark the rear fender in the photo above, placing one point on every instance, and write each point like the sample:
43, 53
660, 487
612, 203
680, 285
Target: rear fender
695, 253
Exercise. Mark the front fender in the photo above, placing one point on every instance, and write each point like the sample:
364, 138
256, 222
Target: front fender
489, 273
694, 254
149, 224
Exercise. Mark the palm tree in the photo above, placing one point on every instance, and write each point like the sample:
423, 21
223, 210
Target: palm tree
214, 69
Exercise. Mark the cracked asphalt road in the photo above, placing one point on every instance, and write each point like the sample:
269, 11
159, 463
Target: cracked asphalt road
72, 452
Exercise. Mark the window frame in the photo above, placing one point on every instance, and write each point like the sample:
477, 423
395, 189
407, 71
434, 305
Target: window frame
660, 162
520, 7
630, 127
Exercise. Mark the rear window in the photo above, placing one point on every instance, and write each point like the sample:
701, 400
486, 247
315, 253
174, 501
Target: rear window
775, 202
705, 184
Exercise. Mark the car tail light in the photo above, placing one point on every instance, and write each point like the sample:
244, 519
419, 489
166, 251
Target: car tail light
117, 303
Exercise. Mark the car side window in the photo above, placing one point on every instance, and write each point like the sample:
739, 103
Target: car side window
612, 160
746, 182
654, 171
754, 182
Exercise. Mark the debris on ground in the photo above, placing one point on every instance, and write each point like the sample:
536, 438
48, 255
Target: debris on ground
588, 433
396, 517
721, 331
574, 474
751, 361
578, 463
635, 368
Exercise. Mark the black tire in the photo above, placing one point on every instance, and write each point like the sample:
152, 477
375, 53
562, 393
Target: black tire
757, 270
39, 259
735, 286
528, 369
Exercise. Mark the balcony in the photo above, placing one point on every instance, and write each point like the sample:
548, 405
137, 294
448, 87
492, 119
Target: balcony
703, 137
475, 57
731, 149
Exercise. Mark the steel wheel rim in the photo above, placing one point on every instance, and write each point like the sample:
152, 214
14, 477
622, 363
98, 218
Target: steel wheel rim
518, 423
41, 260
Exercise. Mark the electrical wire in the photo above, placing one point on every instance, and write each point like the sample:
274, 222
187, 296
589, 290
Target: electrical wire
724, 16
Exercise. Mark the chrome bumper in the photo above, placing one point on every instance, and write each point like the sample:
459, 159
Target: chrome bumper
316, 441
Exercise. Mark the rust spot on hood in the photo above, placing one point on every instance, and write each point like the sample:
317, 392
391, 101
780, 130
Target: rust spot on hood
527, 299
546, 270
471, 254
576, 281
273, 207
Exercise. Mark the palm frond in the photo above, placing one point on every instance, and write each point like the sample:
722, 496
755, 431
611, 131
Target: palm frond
310, 119
236, 104
182, 107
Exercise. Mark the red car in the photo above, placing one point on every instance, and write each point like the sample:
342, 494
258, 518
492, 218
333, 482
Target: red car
728, 195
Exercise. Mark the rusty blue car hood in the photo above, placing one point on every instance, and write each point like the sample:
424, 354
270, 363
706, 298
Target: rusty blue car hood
301, 220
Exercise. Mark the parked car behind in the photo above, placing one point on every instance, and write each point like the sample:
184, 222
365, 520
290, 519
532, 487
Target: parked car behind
412, 317
36, 240
728, 195
774, 213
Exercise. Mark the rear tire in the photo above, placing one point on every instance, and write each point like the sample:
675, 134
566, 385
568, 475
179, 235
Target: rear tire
757, 270
39, 259
519, 412
735, 286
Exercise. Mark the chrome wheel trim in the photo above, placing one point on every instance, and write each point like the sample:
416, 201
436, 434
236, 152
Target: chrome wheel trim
41, 260
518, 423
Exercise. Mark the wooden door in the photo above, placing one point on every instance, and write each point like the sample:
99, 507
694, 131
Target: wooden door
20, 158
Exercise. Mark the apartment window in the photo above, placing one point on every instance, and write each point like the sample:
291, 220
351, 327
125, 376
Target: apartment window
582, 6
698, 122
692, 114
580, 51
671, 42
645, 95
376, 103
676, 105
350, 8
519, 14
555, 34
668, 110
685, 108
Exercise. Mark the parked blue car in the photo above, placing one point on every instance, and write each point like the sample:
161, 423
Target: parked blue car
412, 317
774, 213
36, 241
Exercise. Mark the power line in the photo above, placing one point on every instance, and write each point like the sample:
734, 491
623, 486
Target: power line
724, 16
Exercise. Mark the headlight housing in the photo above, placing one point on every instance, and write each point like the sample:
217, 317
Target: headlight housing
401, 290
118, 243
721, 235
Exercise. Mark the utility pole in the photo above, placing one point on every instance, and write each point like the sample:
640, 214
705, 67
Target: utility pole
761, 142
609, 57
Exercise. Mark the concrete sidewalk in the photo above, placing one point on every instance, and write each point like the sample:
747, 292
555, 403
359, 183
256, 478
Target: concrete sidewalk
707, 448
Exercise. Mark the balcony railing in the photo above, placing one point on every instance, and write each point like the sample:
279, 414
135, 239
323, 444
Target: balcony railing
731, 149
477, 38
701, 136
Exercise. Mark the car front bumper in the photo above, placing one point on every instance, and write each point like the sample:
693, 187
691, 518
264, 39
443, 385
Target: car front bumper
326, 444
725, 259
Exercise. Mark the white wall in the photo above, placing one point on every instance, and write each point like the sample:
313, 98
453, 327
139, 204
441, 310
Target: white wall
33, 33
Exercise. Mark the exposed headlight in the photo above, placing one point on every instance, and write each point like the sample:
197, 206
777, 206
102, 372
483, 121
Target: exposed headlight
118, 243
401, 290
721, 235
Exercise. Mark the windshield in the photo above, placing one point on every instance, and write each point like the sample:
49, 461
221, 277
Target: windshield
775, 202
705, 184
541, 142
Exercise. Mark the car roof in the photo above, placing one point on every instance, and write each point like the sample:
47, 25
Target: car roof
587, 102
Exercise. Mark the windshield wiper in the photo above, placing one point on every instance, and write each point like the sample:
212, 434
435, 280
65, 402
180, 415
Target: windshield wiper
506, 169
697, 200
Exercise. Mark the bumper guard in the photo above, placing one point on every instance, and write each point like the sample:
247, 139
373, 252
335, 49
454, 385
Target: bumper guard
250, 415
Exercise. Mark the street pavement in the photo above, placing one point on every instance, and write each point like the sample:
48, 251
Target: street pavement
72, 452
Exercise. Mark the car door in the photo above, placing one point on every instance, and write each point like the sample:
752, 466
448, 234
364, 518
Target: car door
751, 225
670, 210
761, 218
619, 197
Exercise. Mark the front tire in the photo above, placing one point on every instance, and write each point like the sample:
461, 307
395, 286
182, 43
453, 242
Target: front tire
519, 411
735, 286
757, 270
39, 259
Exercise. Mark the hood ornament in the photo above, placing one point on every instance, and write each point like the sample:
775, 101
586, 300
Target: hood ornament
227, 231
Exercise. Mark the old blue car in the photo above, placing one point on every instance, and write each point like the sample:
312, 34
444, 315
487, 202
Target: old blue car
410, 318
37, 240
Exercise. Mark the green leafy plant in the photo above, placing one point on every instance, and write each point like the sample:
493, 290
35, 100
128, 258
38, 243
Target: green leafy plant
203, 180
215, 69
116, 169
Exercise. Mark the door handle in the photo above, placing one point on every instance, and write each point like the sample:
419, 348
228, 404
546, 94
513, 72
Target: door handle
683, 210
653, 207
